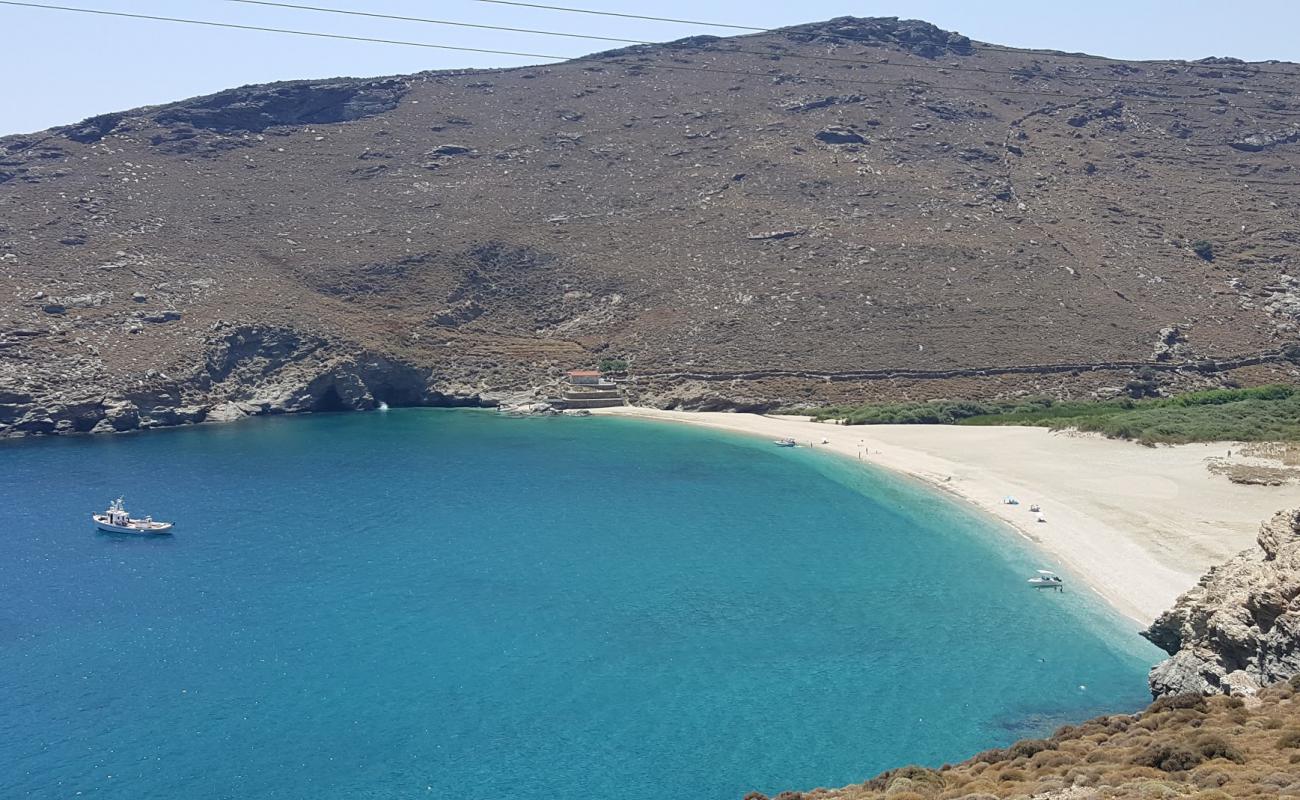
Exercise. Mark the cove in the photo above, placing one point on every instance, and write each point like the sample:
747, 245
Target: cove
446, 603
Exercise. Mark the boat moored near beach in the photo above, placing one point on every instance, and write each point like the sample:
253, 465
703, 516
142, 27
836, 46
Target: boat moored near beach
116, 520
786, 442
1047, 579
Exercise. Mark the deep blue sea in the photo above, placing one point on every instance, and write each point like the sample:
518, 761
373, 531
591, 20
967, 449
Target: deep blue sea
430, 603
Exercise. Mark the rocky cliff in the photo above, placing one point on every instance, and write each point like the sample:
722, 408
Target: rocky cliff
1238, 629
840, 211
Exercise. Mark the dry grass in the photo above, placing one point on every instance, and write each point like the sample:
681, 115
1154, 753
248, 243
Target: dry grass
1189, 747
1286, 453
1254, 475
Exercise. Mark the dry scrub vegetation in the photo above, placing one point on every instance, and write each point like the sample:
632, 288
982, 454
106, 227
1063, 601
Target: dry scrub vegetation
1220, 748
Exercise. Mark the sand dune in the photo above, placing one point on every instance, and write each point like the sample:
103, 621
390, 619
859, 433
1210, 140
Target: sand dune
1138, 524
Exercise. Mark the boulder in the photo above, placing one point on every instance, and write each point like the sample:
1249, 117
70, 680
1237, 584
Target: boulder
1170, 343
225, 412
1255, 142
444, 150
839, 134
121, 415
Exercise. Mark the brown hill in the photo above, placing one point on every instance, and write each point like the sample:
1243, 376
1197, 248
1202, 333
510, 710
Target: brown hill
841, 210
1185, 746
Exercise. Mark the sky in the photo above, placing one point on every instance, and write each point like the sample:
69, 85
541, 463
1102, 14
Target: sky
62, 67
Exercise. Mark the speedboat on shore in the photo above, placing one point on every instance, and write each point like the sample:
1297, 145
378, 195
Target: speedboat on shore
1047, 580
116, 520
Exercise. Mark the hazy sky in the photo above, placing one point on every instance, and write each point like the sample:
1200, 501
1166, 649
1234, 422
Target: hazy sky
61, 67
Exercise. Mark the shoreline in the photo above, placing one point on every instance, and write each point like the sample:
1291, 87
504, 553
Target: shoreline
1138, 525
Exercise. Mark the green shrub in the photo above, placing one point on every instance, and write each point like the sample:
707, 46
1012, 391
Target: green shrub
1289, 740
612, 365
1264, 413
1203, 249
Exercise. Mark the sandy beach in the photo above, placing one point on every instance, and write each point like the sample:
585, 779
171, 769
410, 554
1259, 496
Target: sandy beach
1139, 525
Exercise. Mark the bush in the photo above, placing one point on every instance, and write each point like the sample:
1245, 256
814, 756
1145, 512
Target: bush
907, 778
612, 365
1203, 249
1289, 740
1029, 747
1264, 413
1168, 758
1196, 702
1214, 746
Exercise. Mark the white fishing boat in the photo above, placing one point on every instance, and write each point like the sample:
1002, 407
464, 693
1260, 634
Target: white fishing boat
1047, 579
116, 520
786, 442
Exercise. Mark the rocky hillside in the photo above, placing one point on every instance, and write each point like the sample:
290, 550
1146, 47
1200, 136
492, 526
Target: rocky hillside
1221, 748
1239, 628
846, 210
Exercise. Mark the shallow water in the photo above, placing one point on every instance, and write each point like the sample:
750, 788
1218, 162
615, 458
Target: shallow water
437, 603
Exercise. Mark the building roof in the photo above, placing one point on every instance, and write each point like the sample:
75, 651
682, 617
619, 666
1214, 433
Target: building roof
584, 373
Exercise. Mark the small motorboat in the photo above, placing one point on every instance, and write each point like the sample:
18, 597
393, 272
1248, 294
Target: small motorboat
116, 520
1047, 579
786, 442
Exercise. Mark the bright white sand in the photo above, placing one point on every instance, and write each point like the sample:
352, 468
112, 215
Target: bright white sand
1139, 525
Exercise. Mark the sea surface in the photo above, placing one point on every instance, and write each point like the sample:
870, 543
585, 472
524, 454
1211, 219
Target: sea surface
433, 603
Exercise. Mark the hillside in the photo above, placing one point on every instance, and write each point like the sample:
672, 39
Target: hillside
1187, 746
850, 210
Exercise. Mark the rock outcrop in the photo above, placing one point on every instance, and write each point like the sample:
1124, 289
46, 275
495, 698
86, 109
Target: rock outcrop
248, 371
915, 36
256, 108
1238, 629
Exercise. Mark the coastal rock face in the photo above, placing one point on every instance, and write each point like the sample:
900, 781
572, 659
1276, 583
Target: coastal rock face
247, 371
1238, 629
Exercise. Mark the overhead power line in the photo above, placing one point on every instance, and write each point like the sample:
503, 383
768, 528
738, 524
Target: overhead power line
657, 66
768, 54
625, 16
211, 24
401, 18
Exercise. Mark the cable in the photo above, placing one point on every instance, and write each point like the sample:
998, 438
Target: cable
279, 30
400, 18
717, 70
625, 16
735, 50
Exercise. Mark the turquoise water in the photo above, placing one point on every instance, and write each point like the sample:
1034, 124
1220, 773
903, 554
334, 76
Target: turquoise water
426, 603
